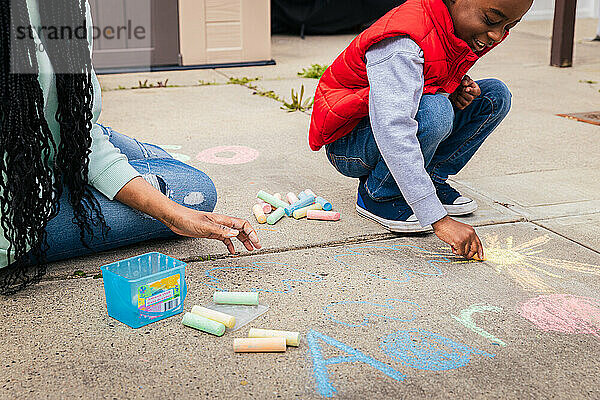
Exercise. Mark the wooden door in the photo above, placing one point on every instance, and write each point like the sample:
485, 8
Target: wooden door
135, 34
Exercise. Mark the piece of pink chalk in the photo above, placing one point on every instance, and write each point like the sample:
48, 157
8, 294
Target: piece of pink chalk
291, 197
323, 215
267, 208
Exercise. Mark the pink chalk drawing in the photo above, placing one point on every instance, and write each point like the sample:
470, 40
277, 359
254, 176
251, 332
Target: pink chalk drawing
228, 155
564, 313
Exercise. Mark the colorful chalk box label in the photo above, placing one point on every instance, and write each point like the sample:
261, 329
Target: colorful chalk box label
160, 296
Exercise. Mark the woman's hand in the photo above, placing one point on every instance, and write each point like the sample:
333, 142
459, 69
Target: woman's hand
184, 221
192, 223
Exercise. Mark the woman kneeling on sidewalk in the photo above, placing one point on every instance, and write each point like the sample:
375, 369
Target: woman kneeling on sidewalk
61, 172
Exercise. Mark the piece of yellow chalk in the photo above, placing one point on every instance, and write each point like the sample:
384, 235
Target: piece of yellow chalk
241, 298
301, 213
323, 215
259, 213
291, 338
259, 345
225, 319
292, 198
476, 258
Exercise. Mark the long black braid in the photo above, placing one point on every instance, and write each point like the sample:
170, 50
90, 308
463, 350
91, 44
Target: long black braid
30, 186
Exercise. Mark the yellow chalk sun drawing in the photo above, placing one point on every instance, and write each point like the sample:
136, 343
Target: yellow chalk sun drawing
522, 263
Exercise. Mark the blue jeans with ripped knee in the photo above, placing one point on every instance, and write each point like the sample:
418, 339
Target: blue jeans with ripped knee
448, 137
181, 182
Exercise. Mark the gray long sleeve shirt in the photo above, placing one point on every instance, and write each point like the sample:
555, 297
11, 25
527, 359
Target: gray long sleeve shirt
395, 72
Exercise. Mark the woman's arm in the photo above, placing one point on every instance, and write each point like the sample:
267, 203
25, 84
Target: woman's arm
139, 194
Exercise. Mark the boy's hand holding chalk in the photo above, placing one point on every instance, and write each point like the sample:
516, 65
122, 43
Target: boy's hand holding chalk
461, 237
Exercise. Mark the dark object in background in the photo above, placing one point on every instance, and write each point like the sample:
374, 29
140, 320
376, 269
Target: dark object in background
326, 16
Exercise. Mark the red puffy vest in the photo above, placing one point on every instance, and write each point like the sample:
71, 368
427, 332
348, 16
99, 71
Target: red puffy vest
342, 96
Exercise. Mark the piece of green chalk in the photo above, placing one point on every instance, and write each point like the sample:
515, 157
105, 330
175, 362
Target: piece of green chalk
243, 298
272, 200
276, 216
203, 324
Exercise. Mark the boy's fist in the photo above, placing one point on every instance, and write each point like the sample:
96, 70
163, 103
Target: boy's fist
461, 237
465, 93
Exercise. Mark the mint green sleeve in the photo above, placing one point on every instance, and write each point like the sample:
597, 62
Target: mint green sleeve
109, 170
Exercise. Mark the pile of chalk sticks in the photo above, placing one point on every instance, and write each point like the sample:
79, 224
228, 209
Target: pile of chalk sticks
258, 340
306, 204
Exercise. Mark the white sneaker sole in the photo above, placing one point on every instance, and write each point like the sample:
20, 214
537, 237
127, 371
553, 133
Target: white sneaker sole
456, 210
394, 226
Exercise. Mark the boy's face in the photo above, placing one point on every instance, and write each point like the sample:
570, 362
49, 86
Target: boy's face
483, 23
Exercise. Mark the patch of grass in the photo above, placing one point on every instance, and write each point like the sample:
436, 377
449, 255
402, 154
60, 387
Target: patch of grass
588, 81
297, 104
159, 84
241, 81
267, 93
315, 71
98, 275
79, 273
206, 83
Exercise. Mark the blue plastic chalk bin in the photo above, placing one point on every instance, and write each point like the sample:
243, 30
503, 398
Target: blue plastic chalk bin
144, 289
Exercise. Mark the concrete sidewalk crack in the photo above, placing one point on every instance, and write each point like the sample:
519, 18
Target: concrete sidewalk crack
565, 237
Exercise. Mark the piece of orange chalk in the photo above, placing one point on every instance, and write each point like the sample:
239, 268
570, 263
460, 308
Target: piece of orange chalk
259, 345
476, 258
323, 215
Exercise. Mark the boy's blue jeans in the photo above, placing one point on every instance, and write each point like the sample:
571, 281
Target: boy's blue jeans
449, 138
128, 226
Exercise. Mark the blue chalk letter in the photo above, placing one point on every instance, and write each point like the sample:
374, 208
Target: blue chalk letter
324, 387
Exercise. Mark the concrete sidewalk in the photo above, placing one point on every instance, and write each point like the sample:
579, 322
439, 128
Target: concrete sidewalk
417, 321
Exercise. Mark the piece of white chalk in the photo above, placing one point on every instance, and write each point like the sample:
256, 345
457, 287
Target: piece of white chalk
301, 213
259, 213
291, 338
323, 215
292, 198
225, 319
278, 196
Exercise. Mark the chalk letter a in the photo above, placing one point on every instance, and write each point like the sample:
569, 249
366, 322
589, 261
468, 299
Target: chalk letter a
324, 386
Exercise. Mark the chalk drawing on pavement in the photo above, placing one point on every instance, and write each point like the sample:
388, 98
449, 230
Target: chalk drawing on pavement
392, 269
564, 313
424, 350
523, 264
270, 277
466, 318
323, 382
228, 155
178, 156
355, 314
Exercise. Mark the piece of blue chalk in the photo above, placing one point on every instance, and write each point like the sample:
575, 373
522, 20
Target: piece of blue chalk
305, 202
302, 195
324, 203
